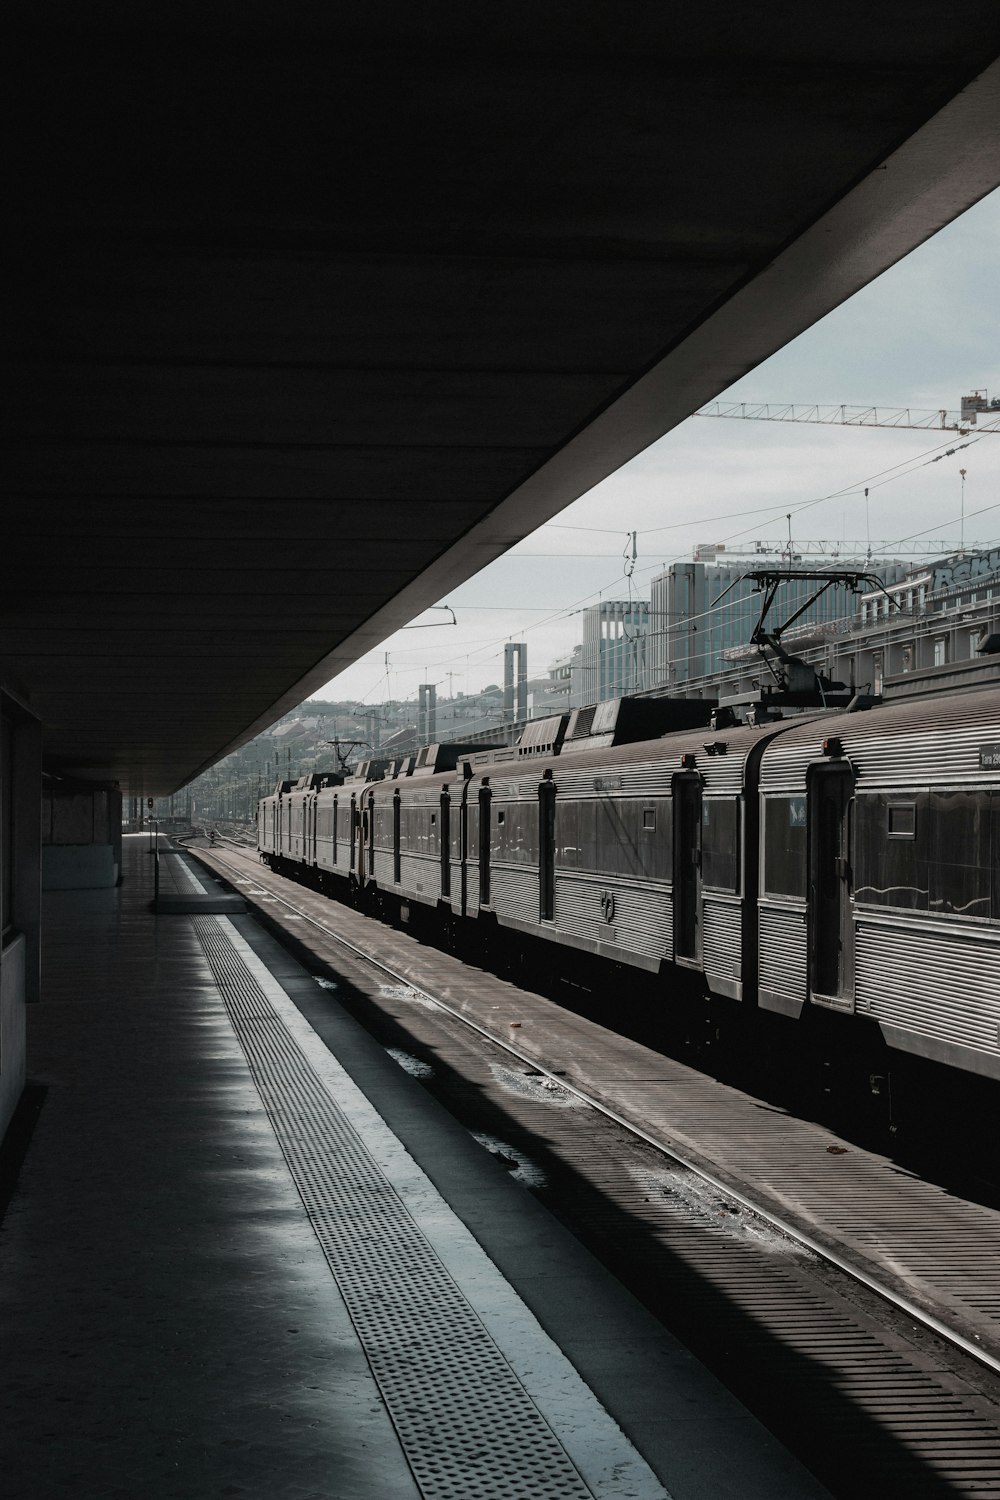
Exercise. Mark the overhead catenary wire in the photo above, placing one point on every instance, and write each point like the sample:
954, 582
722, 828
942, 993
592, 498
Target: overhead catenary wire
919, 460
552, 614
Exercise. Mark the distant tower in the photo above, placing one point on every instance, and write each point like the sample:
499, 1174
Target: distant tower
520, 649
427, 714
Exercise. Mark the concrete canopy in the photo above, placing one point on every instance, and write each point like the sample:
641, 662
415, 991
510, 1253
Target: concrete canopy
319, 309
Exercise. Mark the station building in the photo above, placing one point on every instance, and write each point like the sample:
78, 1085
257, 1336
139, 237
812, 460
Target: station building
935, 626
704, 610
614, 661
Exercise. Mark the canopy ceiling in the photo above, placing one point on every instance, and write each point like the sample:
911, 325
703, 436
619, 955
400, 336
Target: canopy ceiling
317, 310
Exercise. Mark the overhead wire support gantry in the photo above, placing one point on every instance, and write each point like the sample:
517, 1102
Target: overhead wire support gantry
977, 414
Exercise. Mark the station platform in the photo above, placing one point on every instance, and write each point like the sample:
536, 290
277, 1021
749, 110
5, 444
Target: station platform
222, 1272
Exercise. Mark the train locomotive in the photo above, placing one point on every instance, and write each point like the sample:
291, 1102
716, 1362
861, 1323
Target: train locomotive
844, 862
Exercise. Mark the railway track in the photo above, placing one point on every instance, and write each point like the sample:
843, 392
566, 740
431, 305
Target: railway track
812, 1325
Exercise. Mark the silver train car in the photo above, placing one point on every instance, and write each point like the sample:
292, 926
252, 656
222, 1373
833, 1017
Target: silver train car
842, 863
880, 885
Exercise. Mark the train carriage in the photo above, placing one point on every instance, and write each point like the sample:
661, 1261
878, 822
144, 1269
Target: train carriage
413, 835
272, 822
635, 854
409, 838
267, 825
335, 817
880, 874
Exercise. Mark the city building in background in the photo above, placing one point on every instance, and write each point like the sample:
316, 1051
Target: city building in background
613, 660
934, 627
702, 610
562, 689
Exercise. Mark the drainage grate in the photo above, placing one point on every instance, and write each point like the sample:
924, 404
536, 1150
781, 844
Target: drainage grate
468, 1427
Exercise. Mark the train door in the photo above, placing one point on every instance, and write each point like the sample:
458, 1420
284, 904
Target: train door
547, 848
831, 933
445, 842
397, 823
460, 848
365, 849
687, 867
354, 865
485, 798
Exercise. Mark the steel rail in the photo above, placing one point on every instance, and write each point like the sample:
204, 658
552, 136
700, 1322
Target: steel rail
791, 1231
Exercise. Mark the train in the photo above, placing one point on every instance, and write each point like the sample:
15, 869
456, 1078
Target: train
838, 862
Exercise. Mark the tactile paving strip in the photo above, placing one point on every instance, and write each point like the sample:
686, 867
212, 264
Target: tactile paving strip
467, 1426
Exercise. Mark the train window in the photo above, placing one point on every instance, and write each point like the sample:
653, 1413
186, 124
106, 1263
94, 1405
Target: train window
785, 833
416, 834
567, 833
890, 871
614, 831
902, 820
720, 843
656, 842
516, 836
960, 873
382, 827
430, 843
610, 835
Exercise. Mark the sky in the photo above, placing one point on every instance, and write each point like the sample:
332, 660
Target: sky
920, 336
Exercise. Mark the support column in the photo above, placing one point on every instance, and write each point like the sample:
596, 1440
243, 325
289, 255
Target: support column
427, 714
510, 650
20, 890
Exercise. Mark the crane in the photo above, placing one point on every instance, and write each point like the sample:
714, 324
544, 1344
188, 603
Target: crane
977, 412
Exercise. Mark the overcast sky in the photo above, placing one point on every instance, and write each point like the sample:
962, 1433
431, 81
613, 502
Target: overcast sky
921, 336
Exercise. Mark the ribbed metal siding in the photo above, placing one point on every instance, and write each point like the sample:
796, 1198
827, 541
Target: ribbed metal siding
515, 892
784, 955
721, 774
523, 788
905, 744
325, 855
420, 876
455, 897
608, 779
643, 915
944, 986
722, 929
340, 858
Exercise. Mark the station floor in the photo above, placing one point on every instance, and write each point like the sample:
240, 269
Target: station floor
223, 1273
